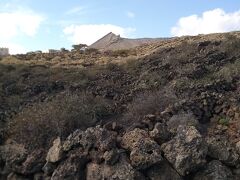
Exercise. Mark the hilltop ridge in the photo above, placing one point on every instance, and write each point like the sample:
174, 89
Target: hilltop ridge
115, 42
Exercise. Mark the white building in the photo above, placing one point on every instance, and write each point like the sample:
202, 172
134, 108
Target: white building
53, 51
4, 52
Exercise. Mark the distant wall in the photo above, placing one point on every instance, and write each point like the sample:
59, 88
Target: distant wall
4, 52
53, 51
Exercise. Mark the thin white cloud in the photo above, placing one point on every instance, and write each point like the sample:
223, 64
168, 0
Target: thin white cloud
89, 33
16, 22
130, 14
213, 21
76, 10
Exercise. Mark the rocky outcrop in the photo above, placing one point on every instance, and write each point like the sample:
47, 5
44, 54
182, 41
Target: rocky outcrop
186, 151
55, 152
144, 152
104, 153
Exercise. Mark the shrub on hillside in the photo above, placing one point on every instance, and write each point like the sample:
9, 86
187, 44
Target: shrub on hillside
38, 125
92, 51
150, 102
232, 44
229, 71
120, 53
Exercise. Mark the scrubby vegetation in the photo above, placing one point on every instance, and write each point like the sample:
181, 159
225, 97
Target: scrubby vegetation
44, 121
122, 53
149, 102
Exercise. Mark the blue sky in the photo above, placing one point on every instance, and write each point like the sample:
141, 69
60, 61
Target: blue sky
29, 25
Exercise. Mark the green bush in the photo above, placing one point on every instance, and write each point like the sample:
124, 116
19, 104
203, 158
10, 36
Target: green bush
224, 121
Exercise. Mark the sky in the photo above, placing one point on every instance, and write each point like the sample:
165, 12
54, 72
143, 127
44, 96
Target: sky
30, 25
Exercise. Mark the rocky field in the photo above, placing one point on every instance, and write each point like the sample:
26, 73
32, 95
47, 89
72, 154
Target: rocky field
162, 111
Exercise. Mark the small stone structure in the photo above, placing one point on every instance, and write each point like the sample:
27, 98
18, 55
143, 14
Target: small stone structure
53, 51
4, 52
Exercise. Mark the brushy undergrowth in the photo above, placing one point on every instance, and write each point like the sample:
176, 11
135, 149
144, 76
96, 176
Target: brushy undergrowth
150, 102
38, 125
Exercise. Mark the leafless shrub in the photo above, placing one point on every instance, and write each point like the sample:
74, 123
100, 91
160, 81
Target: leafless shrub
150, 102
38, 125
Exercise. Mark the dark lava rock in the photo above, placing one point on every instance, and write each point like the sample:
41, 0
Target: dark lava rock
160, 133
73, 140
99, 138
48, 168
186, 151
163, 171
112, 156
144, 151
132, 137
14, 176
215, 170
72, 167
12, 156
33, 164
121, 171
220, 148
94, 137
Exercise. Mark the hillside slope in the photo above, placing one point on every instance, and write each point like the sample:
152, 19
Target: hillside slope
114, 42
164, 110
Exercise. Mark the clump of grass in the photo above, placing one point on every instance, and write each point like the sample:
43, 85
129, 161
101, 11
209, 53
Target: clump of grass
224, 121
